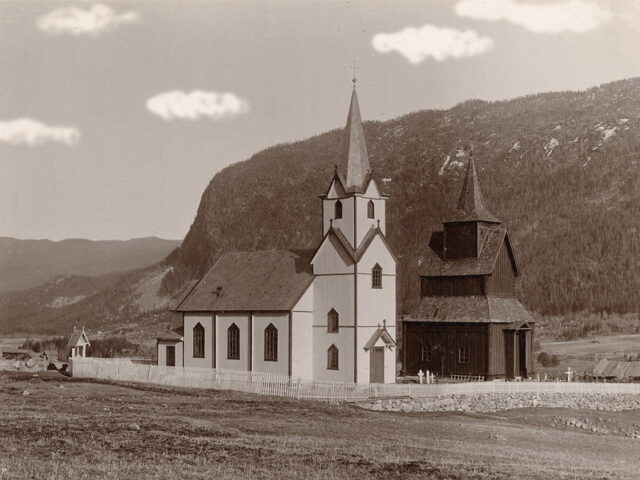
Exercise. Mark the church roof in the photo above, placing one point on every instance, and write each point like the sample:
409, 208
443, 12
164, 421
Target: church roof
471, 205
433, 263
470, 309
271, 280
381, 332
354, 150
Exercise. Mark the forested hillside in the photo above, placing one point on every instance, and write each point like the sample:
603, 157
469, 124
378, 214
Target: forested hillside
562, 170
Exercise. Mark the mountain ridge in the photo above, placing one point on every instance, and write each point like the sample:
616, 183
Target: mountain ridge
560, 169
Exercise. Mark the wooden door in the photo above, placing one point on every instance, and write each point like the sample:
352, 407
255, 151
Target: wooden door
376, 367
522, 353
171, 356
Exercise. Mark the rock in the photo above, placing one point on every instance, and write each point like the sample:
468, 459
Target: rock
26, 392
134, 426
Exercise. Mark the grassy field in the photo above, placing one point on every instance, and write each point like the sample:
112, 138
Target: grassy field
52, 427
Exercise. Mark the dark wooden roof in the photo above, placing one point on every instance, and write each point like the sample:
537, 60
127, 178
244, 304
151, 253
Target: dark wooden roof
470, 309
608, 368
271, 280
471, 207
433, 263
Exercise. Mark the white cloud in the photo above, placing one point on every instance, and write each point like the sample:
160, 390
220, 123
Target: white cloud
25, 131
576, 16
95, 21
418, 44
192, 106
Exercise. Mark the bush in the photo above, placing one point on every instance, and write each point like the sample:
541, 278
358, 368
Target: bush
547, 360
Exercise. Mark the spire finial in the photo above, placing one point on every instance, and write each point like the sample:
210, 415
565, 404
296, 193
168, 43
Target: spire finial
355, 78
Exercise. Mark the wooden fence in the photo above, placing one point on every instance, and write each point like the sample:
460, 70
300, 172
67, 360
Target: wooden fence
283, 386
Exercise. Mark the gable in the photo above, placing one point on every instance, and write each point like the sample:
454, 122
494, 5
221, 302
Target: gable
332, 256
372, 190
377, 252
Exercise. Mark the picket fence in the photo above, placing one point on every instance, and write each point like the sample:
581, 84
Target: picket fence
263, 383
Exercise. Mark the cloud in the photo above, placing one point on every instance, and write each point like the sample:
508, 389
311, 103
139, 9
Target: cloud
25, 131
575, 16
95, 21
192, 106
439, 43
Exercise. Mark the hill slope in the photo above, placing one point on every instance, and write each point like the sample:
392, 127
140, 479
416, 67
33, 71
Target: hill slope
28, 263
562, 170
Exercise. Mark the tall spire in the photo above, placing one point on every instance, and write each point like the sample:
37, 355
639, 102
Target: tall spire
354, 147
471, 205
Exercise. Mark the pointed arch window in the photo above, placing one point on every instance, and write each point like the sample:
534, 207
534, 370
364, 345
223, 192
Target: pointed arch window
333, 321
233, 342
371, 209
332, 358
198, 341
271, 343
376, 276
338, 210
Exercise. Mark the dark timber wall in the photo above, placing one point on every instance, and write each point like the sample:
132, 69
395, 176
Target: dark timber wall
502, 281
434, 346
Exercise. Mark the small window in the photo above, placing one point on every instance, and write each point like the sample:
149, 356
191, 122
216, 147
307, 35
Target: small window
271, 343
233, 342
376, 277
333, 321
198, 341
426, 354
371, 209
338, 210
332, 358
464, 355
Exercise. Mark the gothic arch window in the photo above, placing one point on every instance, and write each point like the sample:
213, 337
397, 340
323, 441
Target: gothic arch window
332, 358
198, 341
376, 276
371, 209
338, 210
233, 342
271, 343
333, 321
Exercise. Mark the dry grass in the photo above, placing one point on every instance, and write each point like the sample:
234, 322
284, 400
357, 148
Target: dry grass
72, 429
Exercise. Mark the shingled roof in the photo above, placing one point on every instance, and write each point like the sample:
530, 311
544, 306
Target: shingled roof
473, 309
175, 335
78, 338
433, 263
271, 280
471, 207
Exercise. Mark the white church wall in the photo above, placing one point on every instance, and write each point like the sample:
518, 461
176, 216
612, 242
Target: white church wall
302, 336
346, 223
162, 352
190, 321
281, 322
331, 258
364, 223
223, 322
333, 291
375, 305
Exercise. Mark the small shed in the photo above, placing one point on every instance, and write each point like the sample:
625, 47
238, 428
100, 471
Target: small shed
617, 370
78, 343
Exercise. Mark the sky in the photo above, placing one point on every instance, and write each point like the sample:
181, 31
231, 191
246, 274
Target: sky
114, 116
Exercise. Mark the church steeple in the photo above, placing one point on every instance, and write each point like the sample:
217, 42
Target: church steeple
354, 148
471, 207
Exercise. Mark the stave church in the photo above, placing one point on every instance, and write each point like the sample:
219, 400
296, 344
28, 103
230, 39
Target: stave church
329, 314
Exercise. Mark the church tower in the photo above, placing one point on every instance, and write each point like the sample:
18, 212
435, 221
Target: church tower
355, 270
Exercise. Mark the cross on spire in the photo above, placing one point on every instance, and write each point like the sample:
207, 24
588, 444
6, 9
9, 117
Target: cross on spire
355, 77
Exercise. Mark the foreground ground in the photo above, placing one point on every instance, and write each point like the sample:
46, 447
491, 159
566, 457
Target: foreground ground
52, 427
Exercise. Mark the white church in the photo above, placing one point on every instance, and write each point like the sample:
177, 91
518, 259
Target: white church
328, 314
